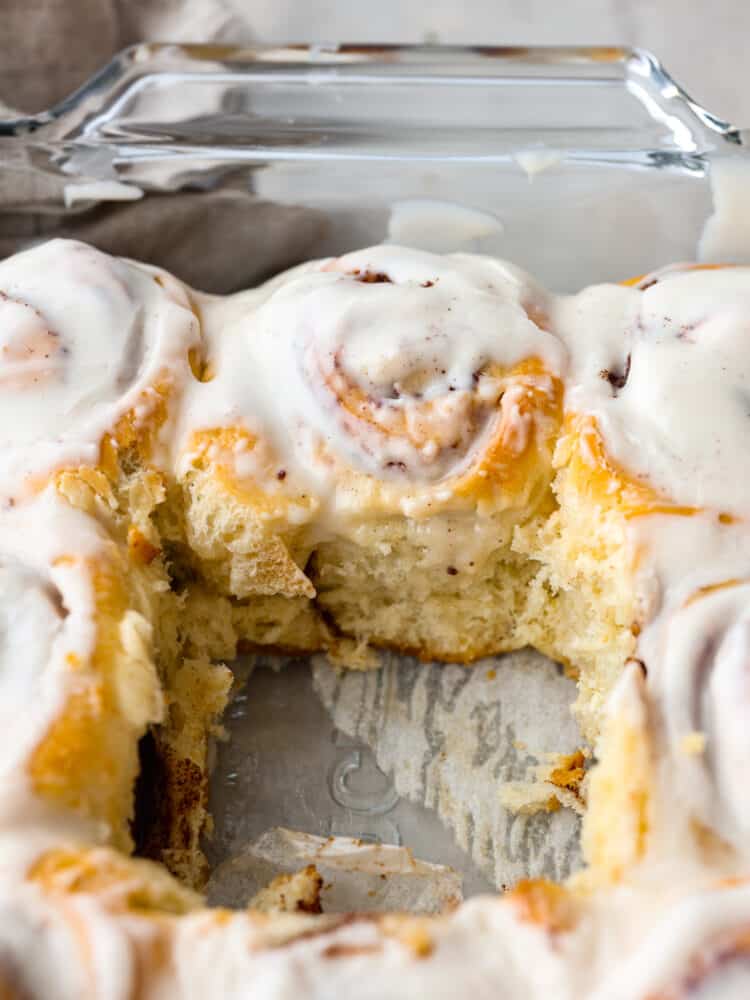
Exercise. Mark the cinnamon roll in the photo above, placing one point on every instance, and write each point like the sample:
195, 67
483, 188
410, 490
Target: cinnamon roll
694, 948
654, 415
697, 647
373, 429
704, 685
654, 412
92, 349
78, 684
95, 354
660, 372
121, 928
101, 925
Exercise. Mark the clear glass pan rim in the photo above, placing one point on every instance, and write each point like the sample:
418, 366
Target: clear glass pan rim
383, 63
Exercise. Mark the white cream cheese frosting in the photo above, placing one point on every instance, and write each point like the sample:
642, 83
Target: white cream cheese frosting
64, 703
48, 623
391, 363
388, 361
84, 338
664, 369
682, 944
679, 347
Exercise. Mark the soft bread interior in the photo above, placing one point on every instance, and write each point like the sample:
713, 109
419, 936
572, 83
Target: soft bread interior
553, 574
213, 578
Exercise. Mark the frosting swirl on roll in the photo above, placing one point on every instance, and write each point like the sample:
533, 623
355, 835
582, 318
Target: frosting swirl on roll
84, 337
704, 687
693, 580
77, 684
664, 369
721, 973
696, 949
395, 363
47, 611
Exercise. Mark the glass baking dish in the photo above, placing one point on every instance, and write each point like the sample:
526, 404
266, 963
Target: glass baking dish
226, 165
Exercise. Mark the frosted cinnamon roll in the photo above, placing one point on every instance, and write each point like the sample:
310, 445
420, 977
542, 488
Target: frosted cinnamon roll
392, 364
697, 648
95, 355
103, 926
705, 682
651, 528
654, 418
660, 374
388, 405
91, 350
697, 948
77, 681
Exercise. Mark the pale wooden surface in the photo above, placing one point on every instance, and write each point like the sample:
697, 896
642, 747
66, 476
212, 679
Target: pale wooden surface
49, 46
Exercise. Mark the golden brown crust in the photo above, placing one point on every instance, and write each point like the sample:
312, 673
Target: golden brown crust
177, 758
414, 933
126, 883
569, 773
597, 477
87, 760
544, 903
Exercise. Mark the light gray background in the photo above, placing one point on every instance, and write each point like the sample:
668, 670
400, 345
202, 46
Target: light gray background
47, 47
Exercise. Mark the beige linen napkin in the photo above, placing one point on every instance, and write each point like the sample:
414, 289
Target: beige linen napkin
216, 240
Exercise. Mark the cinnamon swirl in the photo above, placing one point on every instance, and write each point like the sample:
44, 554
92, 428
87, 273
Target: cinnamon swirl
92, 349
